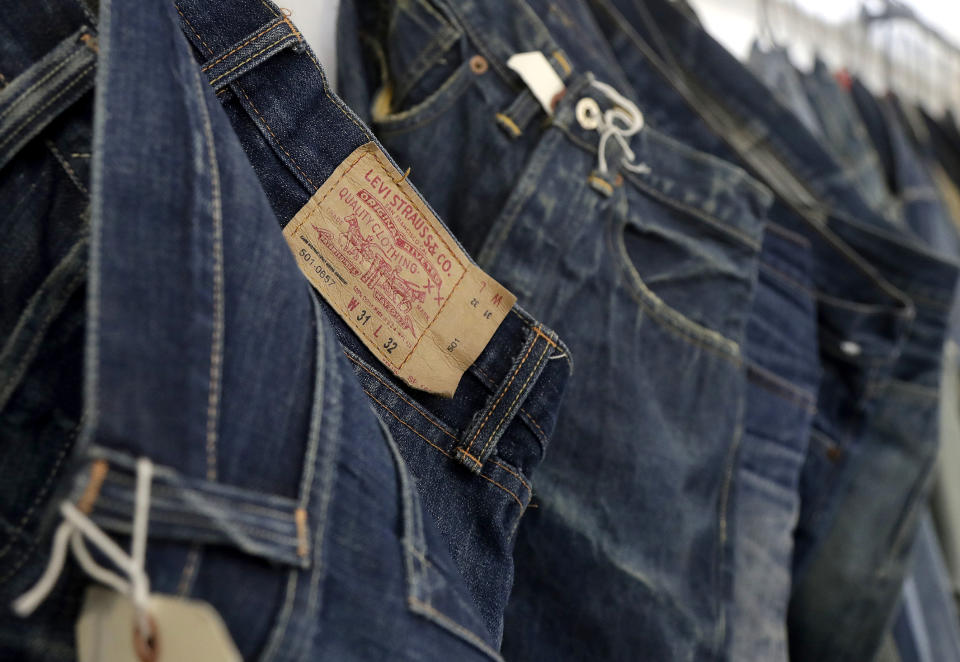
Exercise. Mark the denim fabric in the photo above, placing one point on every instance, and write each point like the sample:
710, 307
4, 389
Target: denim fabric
783, 374
207, 351
845, 135
648, 276
45, 139
524, 365
777, 72
882, 309
927, 628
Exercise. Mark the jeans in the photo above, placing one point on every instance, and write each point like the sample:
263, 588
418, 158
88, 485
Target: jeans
783, 374
926, 629
882, 320
207, 352
647, 273
846, 136
776, 70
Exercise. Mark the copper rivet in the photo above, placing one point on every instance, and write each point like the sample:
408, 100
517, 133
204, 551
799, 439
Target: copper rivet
478, 64
147, 648
834, 453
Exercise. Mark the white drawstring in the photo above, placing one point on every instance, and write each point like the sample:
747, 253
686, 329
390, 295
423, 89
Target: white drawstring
76, 529
631, 119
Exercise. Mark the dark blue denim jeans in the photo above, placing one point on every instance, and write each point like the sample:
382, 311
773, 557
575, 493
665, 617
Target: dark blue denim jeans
927, 628
279, 497
783, 372
648, 274
882, 308
515, 385
846, 137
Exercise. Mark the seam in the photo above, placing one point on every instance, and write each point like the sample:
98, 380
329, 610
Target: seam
26, 122
216, 341
38, 336
434, 424
778, 386
712, 220
514, 473
189, 571
523, 411
64, 61
44, 489
522, 391
665, 315
499, 398
798, 239
71, 173
192, 29
279, 144
223, 57
252, 57
408, 426
453, 625
401, 396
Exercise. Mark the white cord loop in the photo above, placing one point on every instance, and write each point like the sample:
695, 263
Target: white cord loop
620, 123
76, 529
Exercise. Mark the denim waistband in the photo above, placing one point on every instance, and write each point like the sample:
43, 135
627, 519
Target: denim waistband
718, 192
266, 47
868, 302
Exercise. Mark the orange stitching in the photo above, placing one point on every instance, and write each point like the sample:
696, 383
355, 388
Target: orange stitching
193, 29
522, 410
531, 419
504, 392
547, 338
475, 460
515, 497
260, 52
391, 412
427, 419
296, 33
521, 391
400, 395
251, 39
467, 634
515, 474
279, 144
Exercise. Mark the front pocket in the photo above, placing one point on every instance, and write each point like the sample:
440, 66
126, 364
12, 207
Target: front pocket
684, 277
422, 53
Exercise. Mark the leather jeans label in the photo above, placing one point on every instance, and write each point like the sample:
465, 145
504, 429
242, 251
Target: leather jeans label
377, 254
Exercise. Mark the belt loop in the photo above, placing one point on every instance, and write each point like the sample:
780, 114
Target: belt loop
480, 438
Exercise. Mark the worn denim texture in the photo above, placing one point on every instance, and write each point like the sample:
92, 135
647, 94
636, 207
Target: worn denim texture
477, 513
783, 373
648, 276
927, 628
776, 70
846, 137
882, 301
207, 351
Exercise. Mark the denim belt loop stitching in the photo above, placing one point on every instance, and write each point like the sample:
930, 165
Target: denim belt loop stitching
37, 96
225, 67
480, 439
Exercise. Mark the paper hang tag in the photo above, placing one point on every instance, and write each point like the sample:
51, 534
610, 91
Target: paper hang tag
385, 263
539, 75
185, 630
